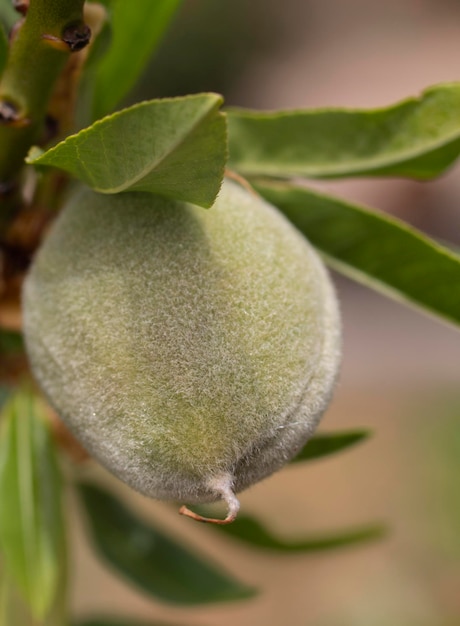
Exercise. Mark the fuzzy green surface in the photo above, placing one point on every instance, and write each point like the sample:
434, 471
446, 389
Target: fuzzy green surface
182, 345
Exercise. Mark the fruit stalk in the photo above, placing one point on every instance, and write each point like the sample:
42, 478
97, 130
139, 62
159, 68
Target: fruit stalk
39, 47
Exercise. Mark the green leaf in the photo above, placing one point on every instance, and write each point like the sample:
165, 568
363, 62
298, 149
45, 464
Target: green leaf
31, 521
174, 147
154, 562
418, 137
374, 249
249, 530
12, 608
324, 444
136, 32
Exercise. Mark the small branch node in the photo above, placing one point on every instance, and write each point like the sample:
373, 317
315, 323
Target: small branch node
21, 6
7, 189
10, 116
77, 36
8, 112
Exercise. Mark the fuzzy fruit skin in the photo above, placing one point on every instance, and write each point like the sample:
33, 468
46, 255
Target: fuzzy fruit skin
183, 347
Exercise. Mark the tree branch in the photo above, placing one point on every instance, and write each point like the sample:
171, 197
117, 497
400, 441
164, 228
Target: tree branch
40, 46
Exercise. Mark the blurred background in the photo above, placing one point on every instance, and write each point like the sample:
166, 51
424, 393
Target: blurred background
401, 369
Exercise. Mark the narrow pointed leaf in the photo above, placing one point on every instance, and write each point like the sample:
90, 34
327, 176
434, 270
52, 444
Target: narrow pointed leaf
374, 249
251, 531
137, 30
174, 147
31, 523
13, 609
154, 562
418, 138
325, 444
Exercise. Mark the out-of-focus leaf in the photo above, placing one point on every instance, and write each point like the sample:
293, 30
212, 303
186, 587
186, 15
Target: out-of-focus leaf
31, 522
374, 249
11, 342
418, 137
251, 531
4, 395
137, 29
8, 16
174, 147
106, 621
154, 562
3, 48
324, 444
13, 609
97, 17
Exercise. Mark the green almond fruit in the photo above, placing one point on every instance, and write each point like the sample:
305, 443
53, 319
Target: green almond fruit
191, 351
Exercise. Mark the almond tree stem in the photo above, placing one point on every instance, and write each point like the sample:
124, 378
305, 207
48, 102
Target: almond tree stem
39, 48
